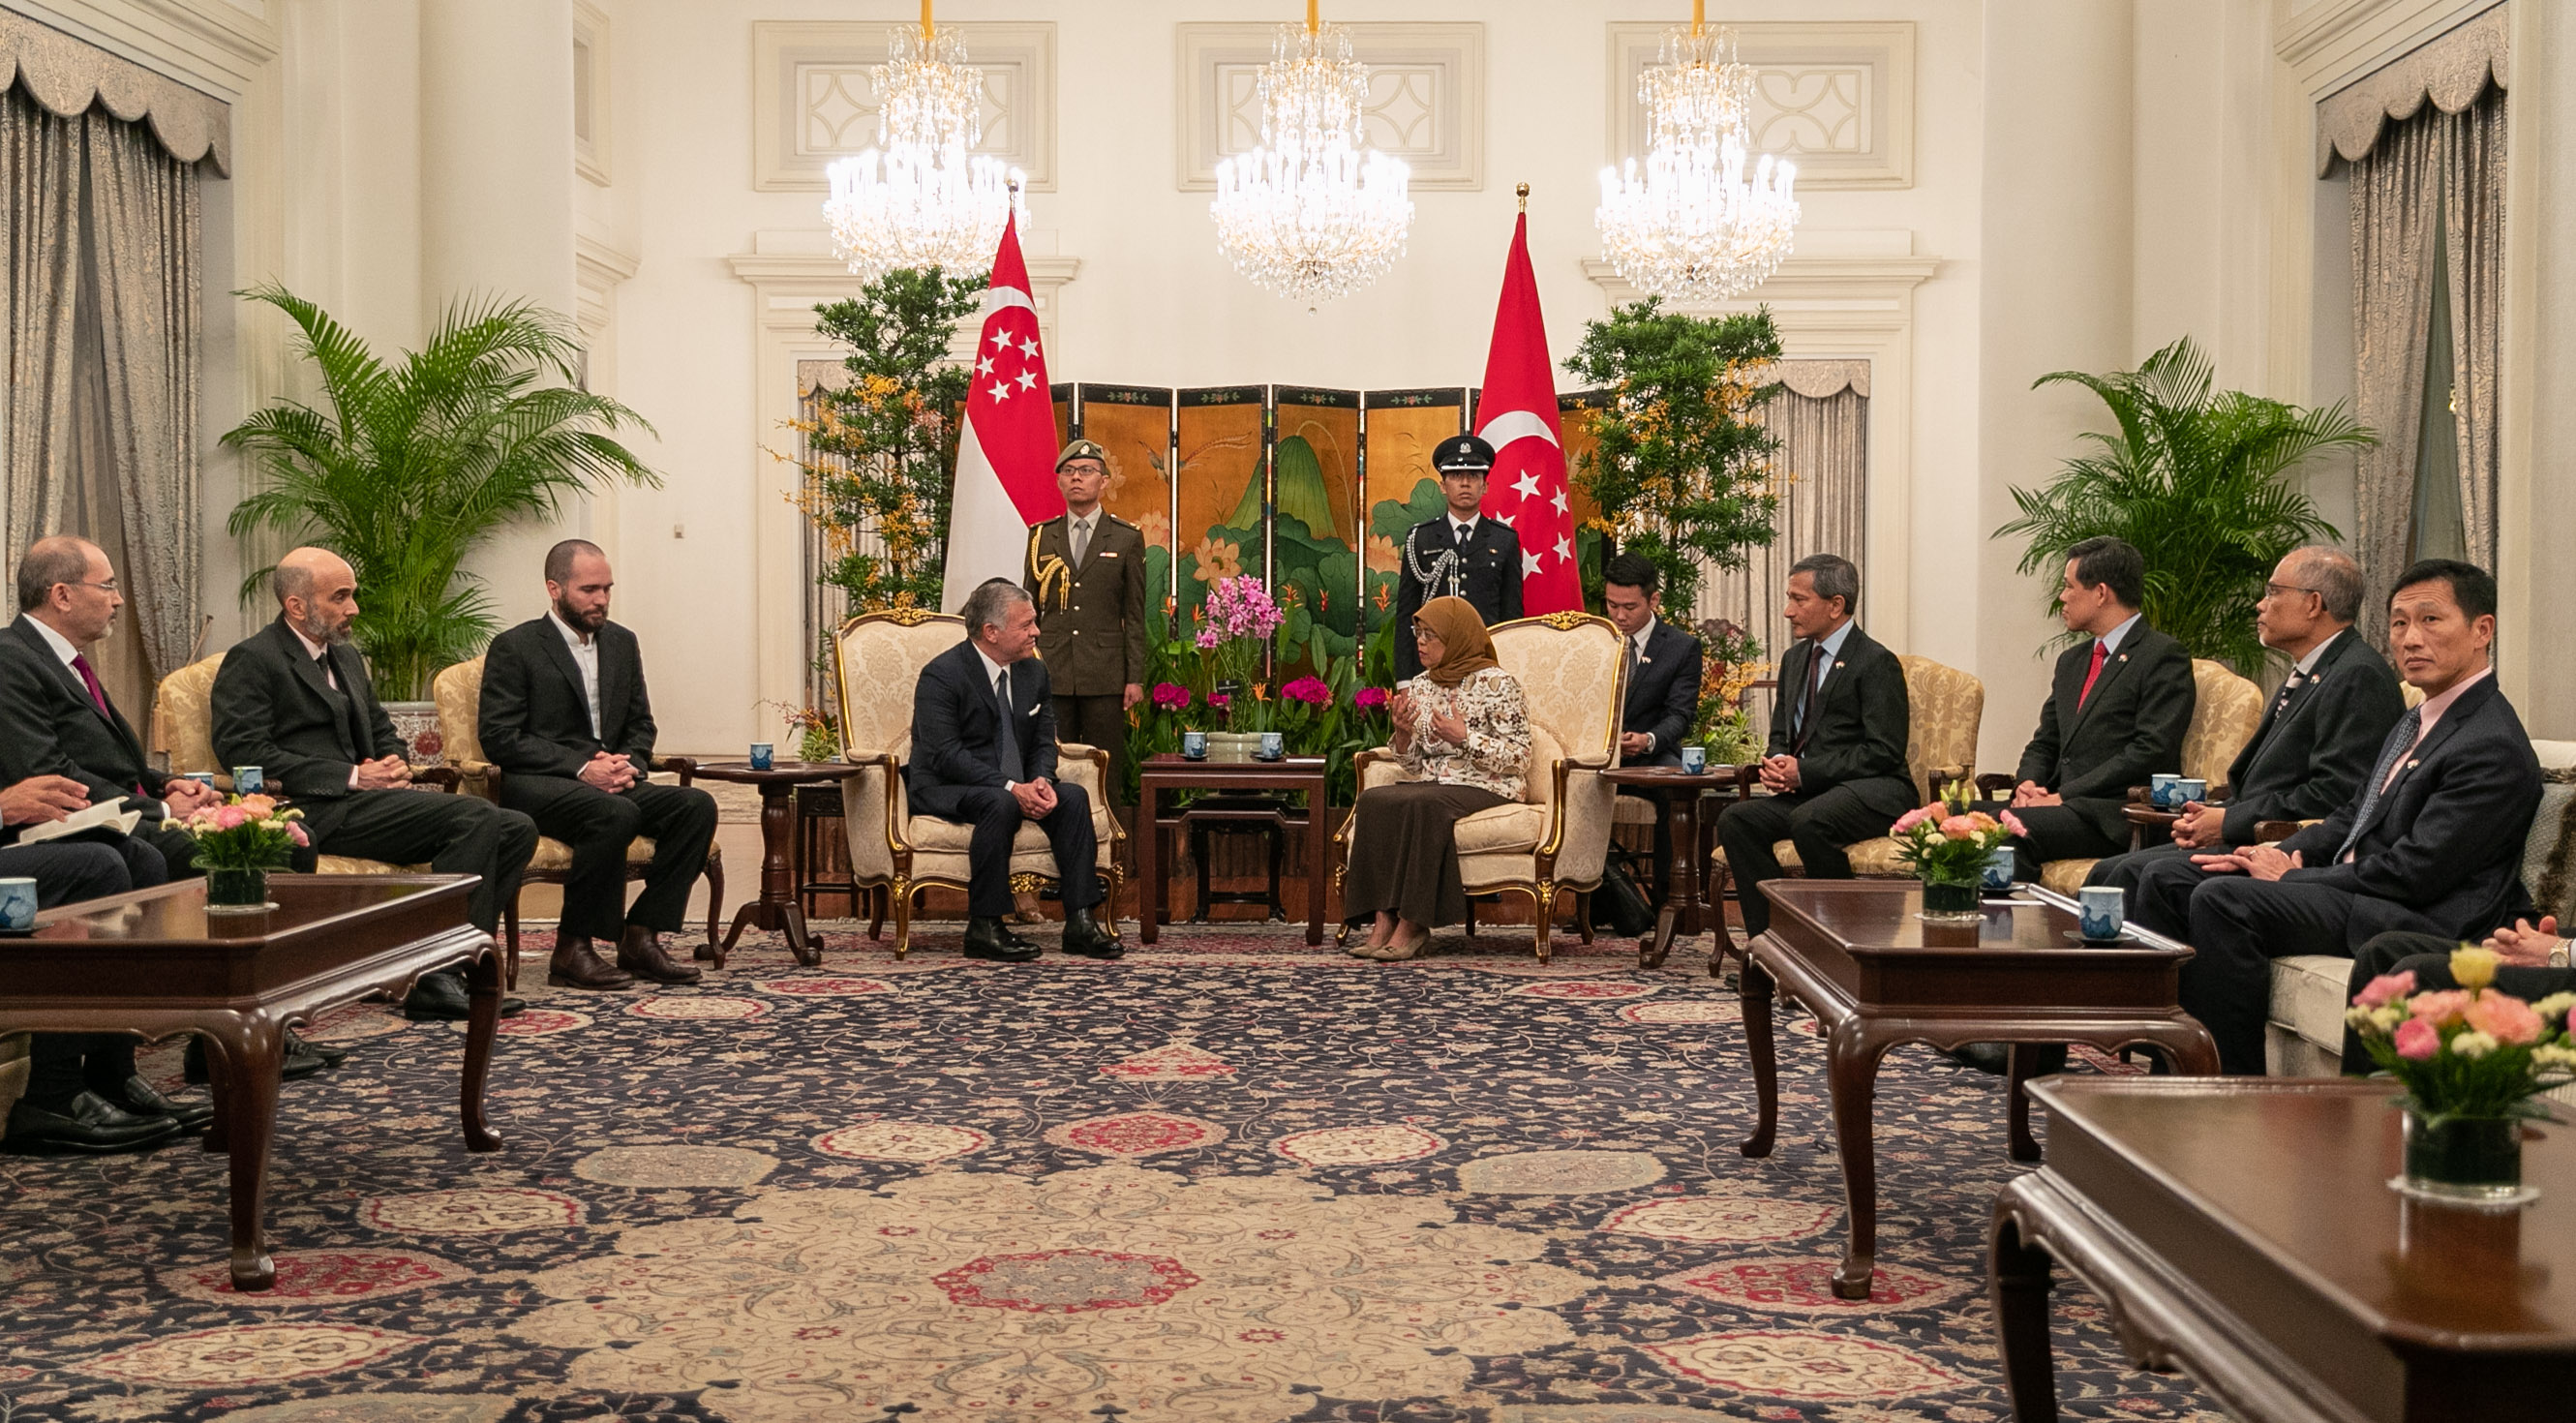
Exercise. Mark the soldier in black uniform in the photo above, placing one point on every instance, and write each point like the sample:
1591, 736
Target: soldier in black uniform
1086, 571
1460, 554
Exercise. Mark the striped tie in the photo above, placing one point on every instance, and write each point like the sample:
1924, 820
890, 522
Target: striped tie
2401, 739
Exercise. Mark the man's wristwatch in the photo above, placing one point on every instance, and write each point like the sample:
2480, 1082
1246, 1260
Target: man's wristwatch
2558, 955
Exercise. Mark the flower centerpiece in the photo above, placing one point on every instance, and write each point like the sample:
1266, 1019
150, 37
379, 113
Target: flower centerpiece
818, 736
1730, 663
1946, 845
1235, 627
2471, 1059
238, 843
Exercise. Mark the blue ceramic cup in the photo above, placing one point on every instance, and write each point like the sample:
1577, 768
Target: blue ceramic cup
1274, 746
2160, 789
1997, 874
1194, 745
203, 778
2189, 789
247, 780
764, 755
1694, 760
2103, 909
17, 905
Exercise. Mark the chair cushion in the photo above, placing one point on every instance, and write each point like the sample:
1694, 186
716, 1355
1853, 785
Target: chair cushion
350, 865
2065, 876
1503, 828
950, 837
1635, 810
2307, 997
554, 857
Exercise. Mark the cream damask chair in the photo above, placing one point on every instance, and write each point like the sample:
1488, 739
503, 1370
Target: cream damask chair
879, 657
459, 693
1557, 836
2223, 718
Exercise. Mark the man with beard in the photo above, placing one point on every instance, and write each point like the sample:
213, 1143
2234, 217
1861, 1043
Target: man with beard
565, 717
294, 700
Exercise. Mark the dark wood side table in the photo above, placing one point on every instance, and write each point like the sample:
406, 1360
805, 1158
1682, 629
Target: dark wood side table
2242, 1229
1875, 975
1683, 909
154, 963
778, 906
1168, 772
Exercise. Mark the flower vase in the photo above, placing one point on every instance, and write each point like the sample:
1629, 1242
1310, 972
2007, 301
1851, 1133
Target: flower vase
2464, 1161
1952, 902
237, 891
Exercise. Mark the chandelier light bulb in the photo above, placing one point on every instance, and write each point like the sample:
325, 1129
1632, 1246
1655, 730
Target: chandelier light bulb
922, 197
1689, 225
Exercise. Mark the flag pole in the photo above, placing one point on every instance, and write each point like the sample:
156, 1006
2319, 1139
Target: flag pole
1522, 192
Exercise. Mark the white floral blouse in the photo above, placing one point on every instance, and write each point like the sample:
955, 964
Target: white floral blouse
1496, 756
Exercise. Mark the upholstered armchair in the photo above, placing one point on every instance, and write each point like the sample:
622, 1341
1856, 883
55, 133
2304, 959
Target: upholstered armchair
2225, 710
1557, 836
1945, 707
459, 693
878, 658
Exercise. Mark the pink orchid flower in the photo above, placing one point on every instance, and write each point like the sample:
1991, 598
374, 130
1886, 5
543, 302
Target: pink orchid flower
2385, 989
2418, 1040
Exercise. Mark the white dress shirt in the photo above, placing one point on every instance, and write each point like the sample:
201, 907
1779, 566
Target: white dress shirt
585, 655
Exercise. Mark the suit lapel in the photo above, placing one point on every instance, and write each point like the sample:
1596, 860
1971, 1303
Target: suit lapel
560, 654
2112, 665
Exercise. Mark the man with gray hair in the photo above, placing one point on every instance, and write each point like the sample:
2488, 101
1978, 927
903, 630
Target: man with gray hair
2319, 733
984, 754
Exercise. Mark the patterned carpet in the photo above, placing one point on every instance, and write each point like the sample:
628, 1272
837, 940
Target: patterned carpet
1234, 1180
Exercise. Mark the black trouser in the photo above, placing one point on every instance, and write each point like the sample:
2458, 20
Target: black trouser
2123, 872
60, 1065
1819, 825
680, 821
2236, 926
456, 834
1101, 722
2055, 832
995, 814
2428, 957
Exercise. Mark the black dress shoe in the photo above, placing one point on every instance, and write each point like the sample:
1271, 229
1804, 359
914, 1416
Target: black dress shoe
139, 1098
438, 997
88, 1123
985, 939
299, 1063
1993, 1059
1083, 935
331, 1056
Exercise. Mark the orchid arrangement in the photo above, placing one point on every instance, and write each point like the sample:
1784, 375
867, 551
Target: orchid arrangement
1946, 842
1235, 627
247, 832
2468, 1052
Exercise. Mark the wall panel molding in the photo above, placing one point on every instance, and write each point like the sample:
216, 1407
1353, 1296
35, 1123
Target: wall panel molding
1834, 97
1426, 102
813, 100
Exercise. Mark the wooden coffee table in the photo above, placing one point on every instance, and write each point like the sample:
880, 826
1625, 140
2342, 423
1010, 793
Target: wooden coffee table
1875, 975
1684, 909
154, 963
778, 907
1167, 772
2242, 1229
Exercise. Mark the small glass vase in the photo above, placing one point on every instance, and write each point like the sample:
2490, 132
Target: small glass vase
1952, 902
2464, 1161
237, 891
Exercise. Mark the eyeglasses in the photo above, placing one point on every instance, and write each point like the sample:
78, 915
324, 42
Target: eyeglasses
107, 587
2275, 590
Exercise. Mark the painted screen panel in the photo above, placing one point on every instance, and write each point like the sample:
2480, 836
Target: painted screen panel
1217, 528
1400, 490
1314, 558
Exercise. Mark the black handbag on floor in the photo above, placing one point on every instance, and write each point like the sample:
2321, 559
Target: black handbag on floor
1618, 906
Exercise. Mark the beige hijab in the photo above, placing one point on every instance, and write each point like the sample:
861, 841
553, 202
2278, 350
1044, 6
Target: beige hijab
1465, 647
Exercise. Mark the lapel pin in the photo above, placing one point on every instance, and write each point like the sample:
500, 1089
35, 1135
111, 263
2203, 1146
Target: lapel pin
2124, 657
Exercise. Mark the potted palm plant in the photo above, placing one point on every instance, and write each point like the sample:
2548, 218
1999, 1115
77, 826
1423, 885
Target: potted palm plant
403, 468
2193, 478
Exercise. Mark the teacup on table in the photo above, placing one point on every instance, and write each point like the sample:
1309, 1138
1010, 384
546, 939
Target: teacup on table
2102, 910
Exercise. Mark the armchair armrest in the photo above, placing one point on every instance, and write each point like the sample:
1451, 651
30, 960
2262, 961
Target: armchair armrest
862, 766
446, 778
1361, 780
685, 766
2268, 831
1559, 802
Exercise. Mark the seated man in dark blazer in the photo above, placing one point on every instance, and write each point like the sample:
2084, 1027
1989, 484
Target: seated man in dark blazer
294, 700
2116, 713
565, 717
2431, 841
1835, 766
2536, 965
2318, 736
1663, 686
984, 753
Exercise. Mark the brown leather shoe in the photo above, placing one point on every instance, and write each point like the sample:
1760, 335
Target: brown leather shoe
576, 966
640, 953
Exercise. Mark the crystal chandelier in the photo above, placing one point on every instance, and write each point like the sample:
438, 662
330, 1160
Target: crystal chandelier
918, 199
1310, 214
1689, 227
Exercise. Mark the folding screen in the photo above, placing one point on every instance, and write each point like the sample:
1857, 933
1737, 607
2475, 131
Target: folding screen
1397, 486
1221, 464
1315, 493
1134, 424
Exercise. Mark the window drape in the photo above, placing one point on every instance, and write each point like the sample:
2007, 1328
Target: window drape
1821, 473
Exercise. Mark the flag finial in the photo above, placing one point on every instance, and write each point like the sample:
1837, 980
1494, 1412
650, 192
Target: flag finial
1522, 192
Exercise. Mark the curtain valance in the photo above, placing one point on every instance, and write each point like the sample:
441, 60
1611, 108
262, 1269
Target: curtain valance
2450, 71
68, 75
1819, 380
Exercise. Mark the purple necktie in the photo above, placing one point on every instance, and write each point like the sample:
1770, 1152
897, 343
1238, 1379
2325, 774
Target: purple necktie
97, 693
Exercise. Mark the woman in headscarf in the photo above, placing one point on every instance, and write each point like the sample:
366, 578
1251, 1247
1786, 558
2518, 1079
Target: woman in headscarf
1462, 734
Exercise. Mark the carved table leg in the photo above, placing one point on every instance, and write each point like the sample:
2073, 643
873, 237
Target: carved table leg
777, 906
1753, 989
2193, 1050
1852, 1071
2019, 1285
2022, 1057
483, 981
1149, 863
244, 1058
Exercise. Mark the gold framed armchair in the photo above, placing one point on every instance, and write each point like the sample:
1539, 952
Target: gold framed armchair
458, 690
2225, 711
1556, 838
878, 658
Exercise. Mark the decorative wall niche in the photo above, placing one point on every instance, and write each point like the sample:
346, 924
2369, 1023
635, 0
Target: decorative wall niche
1836, 98
813, 100
1426, 102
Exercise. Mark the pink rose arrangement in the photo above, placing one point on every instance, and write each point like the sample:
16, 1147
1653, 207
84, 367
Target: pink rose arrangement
246, 832
1946, 842
2473, 1051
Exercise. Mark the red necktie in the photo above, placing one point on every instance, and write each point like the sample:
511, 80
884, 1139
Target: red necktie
97, 693
2091, 676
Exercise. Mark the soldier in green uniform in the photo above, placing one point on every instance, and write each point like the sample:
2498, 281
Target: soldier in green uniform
1087, 573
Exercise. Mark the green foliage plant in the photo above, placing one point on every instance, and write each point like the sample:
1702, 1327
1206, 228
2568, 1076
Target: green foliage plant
404, 467
2196, 479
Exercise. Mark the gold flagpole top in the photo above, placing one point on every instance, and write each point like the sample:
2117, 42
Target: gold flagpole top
1522, 192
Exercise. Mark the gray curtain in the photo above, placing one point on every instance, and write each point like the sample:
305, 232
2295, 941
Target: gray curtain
2433, 178
98, 429
1821, 473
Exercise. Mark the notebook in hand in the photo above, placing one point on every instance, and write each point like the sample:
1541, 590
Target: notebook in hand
104, 814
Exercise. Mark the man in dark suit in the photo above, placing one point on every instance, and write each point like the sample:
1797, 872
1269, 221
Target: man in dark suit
1663, 693
565, 716
2431, 842
984, 753
1087, 572
55, 716
294, 700
1461, 554
2319, 734
2116, 713
1835, 766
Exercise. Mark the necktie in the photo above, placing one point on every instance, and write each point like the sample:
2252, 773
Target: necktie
89, 679
1007, 742
1815, 685
1081, 540
2099, 653
2401, 739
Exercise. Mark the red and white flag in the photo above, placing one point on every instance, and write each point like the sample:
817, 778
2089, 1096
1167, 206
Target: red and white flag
1006, 452
1516, 414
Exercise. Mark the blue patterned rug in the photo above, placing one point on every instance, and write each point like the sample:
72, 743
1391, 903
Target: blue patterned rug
1233, 1180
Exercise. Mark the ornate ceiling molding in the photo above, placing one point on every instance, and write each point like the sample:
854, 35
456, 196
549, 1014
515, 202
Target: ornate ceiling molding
68, 75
